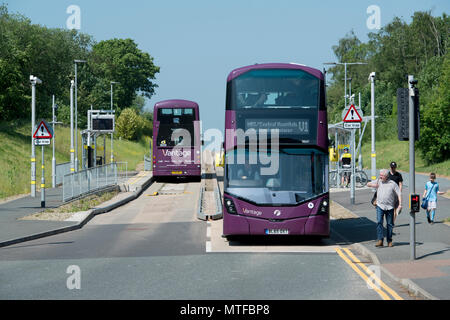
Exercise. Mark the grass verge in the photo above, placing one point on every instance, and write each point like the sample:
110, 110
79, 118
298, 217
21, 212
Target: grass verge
398, 151
66, 211
15, 154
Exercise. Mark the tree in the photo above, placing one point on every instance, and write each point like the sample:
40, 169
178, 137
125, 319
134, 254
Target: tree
120, 60
33, 49
434, 142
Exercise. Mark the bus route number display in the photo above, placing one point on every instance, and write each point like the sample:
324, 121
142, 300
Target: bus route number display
285, 126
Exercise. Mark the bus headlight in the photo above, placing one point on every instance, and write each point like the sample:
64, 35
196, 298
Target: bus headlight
229, 205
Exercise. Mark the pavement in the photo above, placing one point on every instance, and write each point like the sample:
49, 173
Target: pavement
428, 275
13, 229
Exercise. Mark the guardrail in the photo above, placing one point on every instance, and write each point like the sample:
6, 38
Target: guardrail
61, 170
148, 163
84, 182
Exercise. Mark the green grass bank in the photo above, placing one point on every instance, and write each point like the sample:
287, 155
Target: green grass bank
15, 155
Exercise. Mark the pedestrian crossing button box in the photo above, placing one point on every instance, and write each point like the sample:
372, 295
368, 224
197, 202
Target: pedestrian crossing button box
414, 202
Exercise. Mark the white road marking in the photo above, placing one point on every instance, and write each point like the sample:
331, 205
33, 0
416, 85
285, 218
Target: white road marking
208, 246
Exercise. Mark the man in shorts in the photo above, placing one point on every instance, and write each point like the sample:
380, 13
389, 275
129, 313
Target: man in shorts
431, 191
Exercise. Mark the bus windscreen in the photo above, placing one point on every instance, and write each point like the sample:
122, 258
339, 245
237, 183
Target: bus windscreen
275, 88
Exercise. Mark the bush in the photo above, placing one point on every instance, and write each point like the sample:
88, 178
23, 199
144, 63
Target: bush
129, 125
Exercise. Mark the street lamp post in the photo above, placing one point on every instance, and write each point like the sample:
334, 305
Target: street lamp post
33, 80
373, 155
76, 113
112, 134
72, 159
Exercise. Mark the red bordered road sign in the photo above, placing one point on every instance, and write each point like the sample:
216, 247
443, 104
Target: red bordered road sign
352, 115
43, 131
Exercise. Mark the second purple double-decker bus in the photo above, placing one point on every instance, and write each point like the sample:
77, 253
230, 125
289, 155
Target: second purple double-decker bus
276, 177
176, 139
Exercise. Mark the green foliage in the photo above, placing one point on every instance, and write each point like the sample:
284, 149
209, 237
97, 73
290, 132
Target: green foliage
434, 140
120, 60
49, 53
33, 49
399, 49
129, 125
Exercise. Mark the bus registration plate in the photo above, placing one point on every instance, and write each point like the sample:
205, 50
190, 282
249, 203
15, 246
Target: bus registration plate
177, 172
276, 231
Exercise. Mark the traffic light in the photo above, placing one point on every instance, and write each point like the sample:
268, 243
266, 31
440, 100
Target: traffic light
414, 202
403, 114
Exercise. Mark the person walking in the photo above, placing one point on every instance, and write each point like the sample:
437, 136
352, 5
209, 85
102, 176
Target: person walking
387, 192
431, 191
396, 176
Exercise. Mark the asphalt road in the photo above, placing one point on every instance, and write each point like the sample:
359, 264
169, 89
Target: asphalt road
155, 248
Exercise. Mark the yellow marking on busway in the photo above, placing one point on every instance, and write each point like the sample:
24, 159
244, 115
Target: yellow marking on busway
377, 280
362, 275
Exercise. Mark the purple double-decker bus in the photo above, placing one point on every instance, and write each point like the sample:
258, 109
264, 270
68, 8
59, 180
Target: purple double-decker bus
276, 160
176, 139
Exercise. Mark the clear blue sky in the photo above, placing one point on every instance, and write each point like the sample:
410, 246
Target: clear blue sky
197, 43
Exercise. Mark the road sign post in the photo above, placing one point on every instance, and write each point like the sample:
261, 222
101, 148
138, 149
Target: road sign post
352, 117
43, 181
43, 136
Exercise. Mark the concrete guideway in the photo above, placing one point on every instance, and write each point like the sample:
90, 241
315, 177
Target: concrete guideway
13, 230
210, 200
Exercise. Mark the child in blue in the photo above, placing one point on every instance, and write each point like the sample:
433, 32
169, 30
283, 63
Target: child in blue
431, 191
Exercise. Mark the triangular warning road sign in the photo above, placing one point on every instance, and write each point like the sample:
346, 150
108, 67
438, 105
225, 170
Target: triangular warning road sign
352, 115
43, 131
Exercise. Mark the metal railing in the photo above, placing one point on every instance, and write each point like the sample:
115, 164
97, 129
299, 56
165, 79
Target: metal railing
84, 182
148, 163
61, 170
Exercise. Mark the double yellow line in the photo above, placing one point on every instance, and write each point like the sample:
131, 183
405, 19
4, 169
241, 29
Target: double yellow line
371, 278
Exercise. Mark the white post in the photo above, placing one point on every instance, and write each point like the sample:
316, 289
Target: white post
72, 150
373, 154
352, 179
76, 120
34, 80
33, 148
53, 142
76, 113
